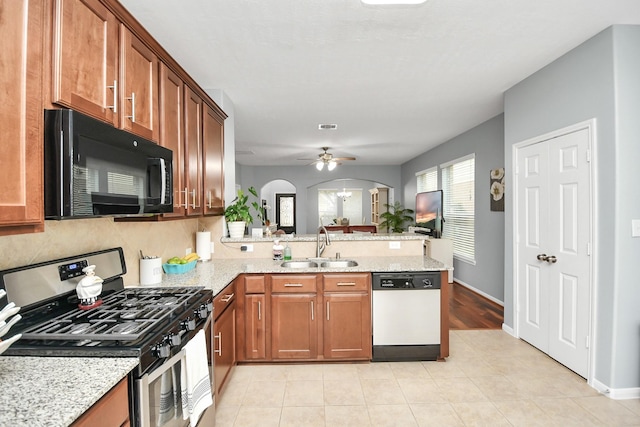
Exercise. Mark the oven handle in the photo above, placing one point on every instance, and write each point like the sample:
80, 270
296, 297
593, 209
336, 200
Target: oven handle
148, 378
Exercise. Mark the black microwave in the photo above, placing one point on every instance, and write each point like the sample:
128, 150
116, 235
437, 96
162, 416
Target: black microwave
93, 169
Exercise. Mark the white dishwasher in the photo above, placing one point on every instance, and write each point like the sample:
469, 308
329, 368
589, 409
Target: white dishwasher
406, 316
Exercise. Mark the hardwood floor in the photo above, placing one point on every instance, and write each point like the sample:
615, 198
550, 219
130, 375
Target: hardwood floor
469, 310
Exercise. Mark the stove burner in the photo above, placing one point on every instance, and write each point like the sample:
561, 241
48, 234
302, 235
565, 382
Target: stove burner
168, 300
130, 314
130, 302
125, 328
79, 328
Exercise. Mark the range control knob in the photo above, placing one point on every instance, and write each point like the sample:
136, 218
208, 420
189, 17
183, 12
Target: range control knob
173, 339
202, 311
162, 350
210, 306
188, 324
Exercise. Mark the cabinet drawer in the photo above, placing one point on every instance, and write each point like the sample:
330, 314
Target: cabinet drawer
254, 285
111, 410
293, 283
346, 282
224, 299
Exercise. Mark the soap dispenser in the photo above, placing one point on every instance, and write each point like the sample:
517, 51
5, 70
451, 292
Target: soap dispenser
287, 252
277, 250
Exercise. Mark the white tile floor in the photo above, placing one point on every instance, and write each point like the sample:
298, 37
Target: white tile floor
490, 379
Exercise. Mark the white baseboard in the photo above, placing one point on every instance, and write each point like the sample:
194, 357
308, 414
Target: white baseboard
508, 329
617, 394
477, 291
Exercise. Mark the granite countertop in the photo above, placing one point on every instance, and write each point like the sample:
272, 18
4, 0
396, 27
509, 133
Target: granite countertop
216, 274
55, 391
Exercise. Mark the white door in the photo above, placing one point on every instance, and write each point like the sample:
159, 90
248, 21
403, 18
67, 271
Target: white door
553, 259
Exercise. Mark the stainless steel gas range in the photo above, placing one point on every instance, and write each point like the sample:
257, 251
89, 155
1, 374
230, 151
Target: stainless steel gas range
153, 324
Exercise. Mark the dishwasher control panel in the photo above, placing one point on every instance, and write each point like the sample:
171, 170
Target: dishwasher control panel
406, 280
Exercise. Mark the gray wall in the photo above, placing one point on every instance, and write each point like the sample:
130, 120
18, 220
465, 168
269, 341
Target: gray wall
487, 142
306, 178
598, 79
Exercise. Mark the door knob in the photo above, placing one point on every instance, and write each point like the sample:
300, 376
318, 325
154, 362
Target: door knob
542, 257
552, 259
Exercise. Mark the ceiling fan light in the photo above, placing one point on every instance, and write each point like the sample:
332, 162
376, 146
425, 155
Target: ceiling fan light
332, 165
319, 165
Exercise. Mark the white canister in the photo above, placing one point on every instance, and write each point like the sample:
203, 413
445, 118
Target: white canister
150, 271
203, 245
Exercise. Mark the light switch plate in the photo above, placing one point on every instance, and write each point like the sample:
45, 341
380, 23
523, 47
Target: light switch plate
394, 245
635, 228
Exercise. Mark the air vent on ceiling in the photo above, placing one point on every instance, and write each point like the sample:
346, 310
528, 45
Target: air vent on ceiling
331, 126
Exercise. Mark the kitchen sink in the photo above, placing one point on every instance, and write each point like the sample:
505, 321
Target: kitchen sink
339, 263
299, 264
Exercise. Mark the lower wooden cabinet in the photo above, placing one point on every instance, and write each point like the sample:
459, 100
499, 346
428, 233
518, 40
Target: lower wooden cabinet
294, 326
347, 316
112, 410
224, 335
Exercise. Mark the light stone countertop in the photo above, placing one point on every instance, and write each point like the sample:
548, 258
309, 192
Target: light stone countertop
55, 391
216, 274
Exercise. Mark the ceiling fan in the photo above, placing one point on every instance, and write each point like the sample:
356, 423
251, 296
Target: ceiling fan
327, 158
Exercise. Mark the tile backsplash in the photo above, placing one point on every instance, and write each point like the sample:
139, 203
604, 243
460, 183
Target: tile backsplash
72, 237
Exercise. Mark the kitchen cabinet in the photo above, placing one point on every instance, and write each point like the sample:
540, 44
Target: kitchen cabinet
294, 318
379, 198
85, 58
347, 316
212, 157
224, 335
139, 82
255, 318
22, 28
171, 103
111, 410
102, 69
193, 151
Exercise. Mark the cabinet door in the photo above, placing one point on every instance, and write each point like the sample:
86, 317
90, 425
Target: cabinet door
193, 151
139, 79
212, 150
255, 327
171, 132
85, 58
224, 329
21, 170
294, 326
347, 326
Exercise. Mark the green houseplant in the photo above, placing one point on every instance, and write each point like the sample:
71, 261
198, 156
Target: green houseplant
395, 217
238, 213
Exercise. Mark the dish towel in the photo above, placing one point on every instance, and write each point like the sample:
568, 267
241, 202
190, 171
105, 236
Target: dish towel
194, 376
170, 406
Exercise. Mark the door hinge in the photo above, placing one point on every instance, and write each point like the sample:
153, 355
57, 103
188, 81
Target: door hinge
586, 342
588, 249
588, 156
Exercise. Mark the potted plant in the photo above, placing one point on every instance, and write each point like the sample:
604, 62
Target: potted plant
395, 217
238, 213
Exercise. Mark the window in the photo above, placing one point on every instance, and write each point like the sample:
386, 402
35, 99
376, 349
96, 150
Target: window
327, 206
427, 180
458, 185
352, 207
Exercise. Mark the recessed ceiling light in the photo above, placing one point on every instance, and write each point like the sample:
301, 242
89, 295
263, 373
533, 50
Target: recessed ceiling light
327, 126
393, 2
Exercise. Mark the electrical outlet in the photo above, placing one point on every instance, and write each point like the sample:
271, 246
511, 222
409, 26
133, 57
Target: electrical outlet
188, 251
249, 248
394, 245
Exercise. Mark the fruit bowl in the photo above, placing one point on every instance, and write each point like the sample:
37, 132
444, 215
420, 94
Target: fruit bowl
179, 268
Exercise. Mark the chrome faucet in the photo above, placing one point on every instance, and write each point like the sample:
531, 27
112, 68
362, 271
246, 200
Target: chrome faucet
320, 247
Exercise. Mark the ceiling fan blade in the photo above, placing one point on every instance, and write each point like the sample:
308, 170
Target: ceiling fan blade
343, 158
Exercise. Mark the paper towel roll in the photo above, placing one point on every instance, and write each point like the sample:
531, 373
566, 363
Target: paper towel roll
203, 245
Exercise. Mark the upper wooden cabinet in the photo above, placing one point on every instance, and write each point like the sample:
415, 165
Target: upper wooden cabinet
21, 174
139, 83
212, 157
85, 58
102, 69
193, 151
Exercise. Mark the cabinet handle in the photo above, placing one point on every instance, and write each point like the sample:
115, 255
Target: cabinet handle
193, 195
114, 107
327, 310
218, 336
186, 193
209, 199
132, 98
259, 311
293, 285
227, 298
312, 311
346, 283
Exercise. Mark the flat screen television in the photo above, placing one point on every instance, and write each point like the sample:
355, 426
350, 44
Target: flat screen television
428, 207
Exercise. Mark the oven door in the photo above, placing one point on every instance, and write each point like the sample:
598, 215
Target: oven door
158, 393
